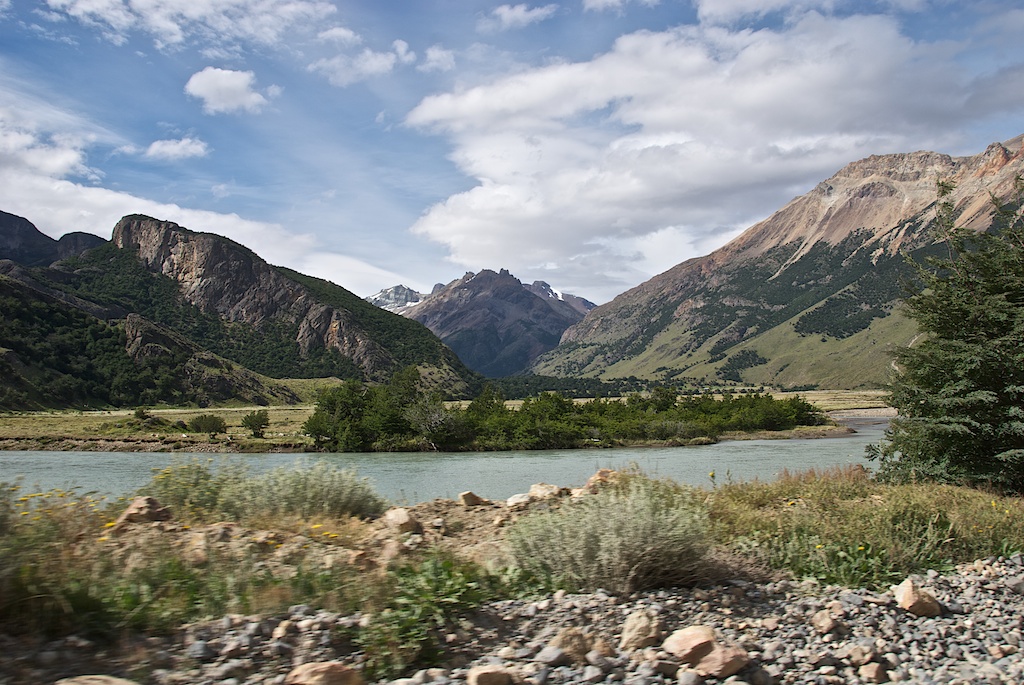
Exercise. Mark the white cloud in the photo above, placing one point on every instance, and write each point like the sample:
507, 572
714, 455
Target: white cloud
680, 137
437, 59
403, 53
601, 5
506, 17
340, 34
726, 11
173, 22
344, 70
174, 150
225, 90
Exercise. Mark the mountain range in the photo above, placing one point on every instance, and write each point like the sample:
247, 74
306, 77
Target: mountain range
163, 313
807, 297
495, 323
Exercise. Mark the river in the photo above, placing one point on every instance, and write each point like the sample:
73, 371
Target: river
420, 476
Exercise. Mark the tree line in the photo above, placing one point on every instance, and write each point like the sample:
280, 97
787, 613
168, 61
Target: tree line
356, 417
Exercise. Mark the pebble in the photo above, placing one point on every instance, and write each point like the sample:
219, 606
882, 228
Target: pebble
976, 639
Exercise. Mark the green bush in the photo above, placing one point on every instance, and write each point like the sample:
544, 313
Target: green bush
422, 600
256, 422
207, 423
635, 535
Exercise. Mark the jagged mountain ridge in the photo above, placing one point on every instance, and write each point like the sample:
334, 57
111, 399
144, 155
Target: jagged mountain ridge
211, 305
23, 243
494, 322
805, 297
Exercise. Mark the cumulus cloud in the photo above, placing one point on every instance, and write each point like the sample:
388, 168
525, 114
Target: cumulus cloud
36, 172
726, 11
678, 137
600, 5
174, 150
437, 59
507, 17
173, 22
340, 34
344, 70
225, 90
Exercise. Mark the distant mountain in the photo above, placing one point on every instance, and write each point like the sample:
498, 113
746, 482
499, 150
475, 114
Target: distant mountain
198, 317
396, 298
805, 297
23, 243
495, 323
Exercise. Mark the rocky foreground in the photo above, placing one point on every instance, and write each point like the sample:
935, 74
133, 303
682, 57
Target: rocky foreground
962, 627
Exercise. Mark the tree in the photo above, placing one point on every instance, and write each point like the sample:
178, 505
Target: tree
960, 390
257, 422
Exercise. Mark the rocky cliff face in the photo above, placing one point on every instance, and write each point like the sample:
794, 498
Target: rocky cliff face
224, 278
496, 324
804, 297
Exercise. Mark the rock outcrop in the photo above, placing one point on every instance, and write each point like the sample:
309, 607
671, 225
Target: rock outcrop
227, 279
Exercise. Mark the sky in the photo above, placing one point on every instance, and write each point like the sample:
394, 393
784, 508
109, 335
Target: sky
590, 144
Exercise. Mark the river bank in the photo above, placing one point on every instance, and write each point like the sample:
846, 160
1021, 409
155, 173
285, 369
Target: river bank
773, 628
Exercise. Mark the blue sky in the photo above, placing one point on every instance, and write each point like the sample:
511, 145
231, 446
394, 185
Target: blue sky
588, 143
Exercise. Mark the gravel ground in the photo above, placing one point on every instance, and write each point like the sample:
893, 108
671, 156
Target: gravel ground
786, 632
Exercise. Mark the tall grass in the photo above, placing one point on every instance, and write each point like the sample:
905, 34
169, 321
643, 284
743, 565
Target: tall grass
840, 526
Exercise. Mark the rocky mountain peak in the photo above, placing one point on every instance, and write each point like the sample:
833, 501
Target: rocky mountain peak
823, 272
492, 321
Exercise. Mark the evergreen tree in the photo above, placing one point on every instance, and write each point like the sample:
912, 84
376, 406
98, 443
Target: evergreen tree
959, 389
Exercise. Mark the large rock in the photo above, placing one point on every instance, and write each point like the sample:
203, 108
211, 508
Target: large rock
640, 630
489, 675
690, 644
401, 519
141, 510
574, 642
324, 673
541, 491
722, 661
916, 600
471, 499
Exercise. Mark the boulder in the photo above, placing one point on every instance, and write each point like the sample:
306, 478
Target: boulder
324, 673
489, 675
722, 661
640, 630
471, 499
401, 520
916, 600
95, 680
520, 501
873, 673
574, 642
539, 491
690, 644
141, 510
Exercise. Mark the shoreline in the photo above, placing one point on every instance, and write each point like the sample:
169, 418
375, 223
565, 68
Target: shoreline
173, 445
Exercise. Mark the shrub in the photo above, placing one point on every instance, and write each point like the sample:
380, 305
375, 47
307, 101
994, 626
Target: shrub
199, 490
421, 600
256, 422
636, 535
207, 423
304, 491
